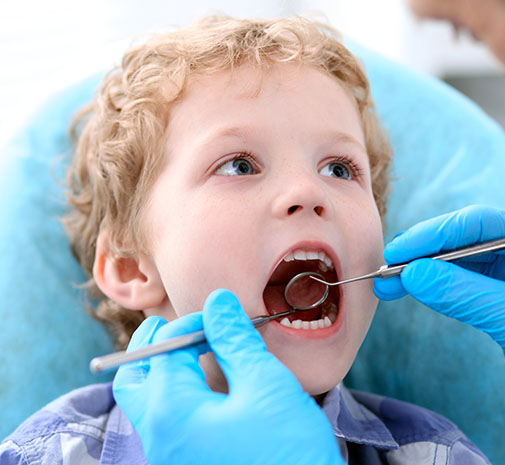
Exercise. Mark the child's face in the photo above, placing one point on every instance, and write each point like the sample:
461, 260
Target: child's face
300, 182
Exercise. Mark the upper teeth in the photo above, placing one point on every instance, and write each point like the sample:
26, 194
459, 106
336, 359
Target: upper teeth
309, 255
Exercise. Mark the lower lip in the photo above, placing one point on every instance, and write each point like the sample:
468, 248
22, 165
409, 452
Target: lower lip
320, 333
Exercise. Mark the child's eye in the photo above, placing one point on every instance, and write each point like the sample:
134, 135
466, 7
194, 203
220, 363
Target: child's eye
239, 166
337, 169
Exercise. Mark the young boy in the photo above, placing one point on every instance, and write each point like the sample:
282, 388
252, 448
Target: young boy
235, 154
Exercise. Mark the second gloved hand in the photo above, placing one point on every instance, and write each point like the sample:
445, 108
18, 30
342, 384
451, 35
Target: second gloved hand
266, 418
473, 291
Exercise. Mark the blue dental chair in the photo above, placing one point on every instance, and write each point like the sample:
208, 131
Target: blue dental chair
448, 154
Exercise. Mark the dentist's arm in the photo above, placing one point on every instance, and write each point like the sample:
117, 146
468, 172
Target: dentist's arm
472, 291
266, 418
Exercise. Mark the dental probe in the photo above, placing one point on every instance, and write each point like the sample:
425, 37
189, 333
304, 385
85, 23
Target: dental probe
106, 362
387, 271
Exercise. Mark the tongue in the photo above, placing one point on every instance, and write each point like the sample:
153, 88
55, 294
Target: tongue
273, 297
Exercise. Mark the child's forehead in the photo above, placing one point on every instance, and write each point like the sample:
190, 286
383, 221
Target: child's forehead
249, 102
250, 80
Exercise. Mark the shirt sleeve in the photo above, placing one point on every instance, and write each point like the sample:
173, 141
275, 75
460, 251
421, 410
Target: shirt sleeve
459, 452
464, 452
11, 454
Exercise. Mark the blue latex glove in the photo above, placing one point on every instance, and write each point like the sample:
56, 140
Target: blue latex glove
472, 291
266, 418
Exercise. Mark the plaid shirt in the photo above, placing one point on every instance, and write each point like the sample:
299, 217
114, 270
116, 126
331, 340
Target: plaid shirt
86, 427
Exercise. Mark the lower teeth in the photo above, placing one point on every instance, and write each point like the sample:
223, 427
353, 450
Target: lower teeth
315, 324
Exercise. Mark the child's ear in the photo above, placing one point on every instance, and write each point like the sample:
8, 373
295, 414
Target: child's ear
132, 282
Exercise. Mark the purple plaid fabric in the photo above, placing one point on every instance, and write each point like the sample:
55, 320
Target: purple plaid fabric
86, 427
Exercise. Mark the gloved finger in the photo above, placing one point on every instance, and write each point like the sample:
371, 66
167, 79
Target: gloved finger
492, 265
239, 348
464, 227
151, 331
398, 235
136, 372
186, 324
129, 379
166, 370
459, 293
389, 288
180, 368
144, 334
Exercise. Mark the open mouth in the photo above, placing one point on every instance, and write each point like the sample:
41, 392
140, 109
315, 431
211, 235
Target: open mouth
295, 262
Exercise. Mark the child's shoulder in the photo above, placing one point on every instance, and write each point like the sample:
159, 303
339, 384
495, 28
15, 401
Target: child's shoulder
408, 422
419, 432
76, 423
86, 407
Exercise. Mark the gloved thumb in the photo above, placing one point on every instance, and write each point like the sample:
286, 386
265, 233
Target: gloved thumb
459, 293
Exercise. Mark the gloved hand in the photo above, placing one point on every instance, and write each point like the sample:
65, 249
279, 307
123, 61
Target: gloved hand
473, 291
266, 418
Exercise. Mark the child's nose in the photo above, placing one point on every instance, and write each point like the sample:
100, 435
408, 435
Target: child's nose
304, 195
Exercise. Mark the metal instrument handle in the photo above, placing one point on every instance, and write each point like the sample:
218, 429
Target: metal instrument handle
109, 361
387, 271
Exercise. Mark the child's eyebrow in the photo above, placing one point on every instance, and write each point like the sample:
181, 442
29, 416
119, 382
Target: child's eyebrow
338, 137
239, 132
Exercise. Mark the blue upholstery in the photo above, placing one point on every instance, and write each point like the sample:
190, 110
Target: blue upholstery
47, 336
447, 154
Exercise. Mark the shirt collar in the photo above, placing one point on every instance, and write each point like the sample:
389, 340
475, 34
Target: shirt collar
122, 444
353, 422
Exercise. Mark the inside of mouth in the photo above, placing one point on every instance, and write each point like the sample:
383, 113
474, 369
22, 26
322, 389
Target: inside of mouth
303, 293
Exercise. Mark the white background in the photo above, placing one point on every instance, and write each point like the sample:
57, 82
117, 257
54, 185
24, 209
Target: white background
46, 45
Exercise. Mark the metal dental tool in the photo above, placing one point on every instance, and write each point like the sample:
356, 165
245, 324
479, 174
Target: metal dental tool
308, 297
302, 280
107, 362
297, 289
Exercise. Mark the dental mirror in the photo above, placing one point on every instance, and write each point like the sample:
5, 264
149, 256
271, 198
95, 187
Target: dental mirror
303, 292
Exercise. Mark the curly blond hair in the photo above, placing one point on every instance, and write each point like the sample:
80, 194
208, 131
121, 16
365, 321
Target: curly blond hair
120, 134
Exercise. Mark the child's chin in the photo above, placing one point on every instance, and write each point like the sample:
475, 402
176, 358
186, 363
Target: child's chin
317, 387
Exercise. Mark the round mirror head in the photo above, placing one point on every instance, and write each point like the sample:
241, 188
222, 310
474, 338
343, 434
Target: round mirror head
304, 293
